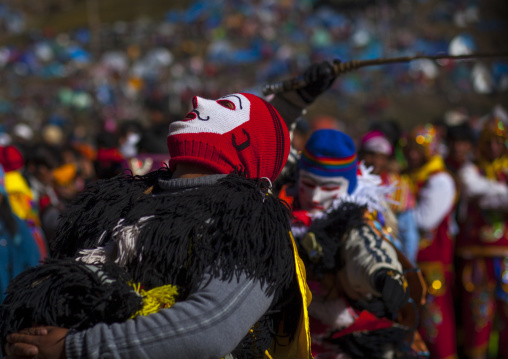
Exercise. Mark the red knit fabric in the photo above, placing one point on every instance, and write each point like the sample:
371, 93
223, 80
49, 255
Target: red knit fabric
236, 132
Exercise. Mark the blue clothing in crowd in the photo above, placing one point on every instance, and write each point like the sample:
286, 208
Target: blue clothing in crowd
17, 253
408, 234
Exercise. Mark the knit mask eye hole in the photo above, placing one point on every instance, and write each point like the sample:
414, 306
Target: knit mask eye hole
227, 104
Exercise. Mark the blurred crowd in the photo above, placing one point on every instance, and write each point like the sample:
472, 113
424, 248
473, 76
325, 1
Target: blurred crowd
88, 80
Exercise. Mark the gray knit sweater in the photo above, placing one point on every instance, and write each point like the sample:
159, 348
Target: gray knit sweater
210, 323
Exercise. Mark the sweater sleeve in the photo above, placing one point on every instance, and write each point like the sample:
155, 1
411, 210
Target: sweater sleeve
210, 323
289, 105
491, 194
364, 254
435, 201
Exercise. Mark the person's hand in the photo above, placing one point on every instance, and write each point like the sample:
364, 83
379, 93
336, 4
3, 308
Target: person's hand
393, 288
319, 78
37, 342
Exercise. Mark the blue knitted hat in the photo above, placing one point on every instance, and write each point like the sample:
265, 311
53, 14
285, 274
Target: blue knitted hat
330, 153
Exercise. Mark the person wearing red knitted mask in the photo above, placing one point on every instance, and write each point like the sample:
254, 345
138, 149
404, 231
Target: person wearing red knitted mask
208, 225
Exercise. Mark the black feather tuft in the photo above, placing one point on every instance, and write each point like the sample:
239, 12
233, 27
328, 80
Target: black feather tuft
69, 294
330, 232
372, 344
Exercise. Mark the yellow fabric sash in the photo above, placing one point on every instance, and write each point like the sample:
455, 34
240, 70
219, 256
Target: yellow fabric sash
435, 164
299, 348
155, 299
493, 169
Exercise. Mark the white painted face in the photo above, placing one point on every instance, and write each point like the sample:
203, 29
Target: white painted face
214, 116
317, 193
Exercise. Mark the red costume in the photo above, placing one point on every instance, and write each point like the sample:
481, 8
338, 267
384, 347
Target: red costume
434, 190
482, 244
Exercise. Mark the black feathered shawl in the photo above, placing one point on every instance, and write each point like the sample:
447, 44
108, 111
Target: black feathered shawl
67, 293
374, 344
230, 227
225, 229
330, 232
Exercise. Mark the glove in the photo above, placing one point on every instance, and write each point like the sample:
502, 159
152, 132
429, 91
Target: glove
393, 288
319, 78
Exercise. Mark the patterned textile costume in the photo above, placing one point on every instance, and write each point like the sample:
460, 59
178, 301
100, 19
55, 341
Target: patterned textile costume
192, 233
482, 243
348, 242
434, 190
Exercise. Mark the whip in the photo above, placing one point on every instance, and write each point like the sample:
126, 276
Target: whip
340, 68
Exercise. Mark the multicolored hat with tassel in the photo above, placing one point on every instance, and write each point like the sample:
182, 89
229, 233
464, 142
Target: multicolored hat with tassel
330, 153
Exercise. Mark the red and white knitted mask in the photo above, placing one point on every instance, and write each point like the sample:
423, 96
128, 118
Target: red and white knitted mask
236, 132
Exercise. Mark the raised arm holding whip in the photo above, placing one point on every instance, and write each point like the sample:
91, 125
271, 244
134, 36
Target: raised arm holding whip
338, 68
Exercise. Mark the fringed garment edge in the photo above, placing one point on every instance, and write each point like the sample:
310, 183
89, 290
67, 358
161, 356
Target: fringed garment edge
69, 294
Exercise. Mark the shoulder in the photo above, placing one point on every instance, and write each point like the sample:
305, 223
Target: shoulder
442, 180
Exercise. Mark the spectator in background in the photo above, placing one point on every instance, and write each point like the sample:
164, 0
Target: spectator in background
21, 198
157, 109
482, 242
376, 150
435, 193
22, 138
129, 136
139, 150
18, 250
442, 131
86, 155
108, 162
39, 172
460, 140
393, 132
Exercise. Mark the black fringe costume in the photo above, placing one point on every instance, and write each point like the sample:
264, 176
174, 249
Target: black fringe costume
330, 232
225, 229
69, 294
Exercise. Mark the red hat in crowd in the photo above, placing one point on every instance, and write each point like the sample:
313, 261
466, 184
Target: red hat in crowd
236, 132
11, 158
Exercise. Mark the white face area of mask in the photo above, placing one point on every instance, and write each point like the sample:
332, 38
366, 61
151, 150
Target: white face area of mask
317, 193
214, 116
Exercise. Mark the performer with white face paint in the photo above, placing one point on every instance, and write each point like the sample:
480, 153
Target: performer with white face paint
342, 225
323, 178
317, 193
